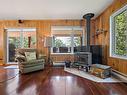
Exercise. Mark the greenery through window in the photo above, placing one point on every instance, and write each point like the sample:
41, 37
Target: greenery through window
119, 33
66, 38
77, 41
62, 44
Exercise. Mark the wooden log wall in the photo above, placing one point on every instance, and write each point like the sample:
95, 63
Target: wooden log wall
103, 22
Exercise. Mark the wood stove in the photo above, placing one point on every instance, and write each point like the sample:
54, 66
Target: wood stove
83, 59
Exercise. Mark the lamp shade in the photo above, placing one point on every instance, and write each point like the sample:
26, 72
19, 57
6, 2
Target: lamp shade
48, 42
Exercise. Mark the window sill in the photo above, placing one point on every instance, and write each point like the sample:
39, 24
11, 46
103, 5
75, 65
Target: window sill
62, 53
119, 57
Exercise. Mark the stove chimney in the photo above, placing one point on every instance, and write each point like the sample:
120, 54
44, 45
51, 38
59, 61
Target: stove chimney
88, 17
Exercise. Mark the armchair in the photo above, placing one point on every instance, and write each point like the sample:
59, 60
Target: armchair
29, 60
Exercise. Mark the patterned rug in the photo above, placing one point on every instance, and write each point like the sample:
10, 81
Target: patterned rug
89, 76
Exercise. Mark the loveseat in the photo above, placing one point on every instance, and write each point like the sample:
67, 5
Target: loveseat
29, 60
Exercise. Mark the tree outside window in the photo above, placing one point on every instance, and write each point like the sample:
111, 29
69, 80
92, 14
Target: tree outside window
118, 34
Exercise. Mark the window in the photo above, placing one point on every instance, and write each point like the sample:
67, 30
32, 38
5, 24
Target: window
22, 38
65, 38
77, 41
19, 38
118, 34
62, 44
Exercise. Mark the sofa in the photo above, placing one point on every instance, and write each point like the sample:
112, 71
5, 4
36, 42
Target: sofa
29, 60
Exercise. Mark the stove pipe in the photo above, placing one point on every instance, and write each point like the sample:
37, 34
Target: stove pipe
88, 19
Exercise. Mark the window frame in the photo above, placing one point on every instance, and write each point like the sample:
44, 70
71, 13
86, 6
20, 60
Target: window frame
20, 30
112, 33
62, 36
71, 35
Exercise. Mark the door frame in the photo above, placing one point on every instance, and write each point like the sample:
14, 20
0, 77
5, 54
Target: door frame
7, 41
7, 50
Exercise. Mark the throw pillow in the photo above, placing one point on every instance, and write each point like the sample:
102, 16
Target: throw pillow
20, 58
30, 56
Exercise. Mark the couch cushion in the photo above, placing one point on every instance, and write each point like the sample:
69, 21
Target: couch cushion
23, 50
33, 62
31, 65
30, 56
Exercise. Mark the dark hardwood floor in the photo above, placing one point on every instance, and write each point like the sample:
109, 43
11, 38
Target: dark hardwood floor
54, 81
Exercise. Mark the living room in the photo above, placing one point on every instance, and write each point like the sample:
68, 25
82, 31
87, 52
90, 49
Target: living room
63, 47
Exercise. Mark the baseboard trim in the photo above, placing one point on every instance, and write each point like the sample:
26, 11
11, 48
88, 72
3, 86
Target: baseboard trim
119, 75
58, 63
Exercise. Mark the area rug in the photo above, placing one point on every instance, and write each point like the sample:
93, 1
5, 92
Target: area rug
7, 74
88, 76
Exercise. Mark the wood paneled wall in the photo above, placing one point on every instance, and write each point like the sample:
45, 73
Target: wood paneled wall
43, 29
103, 22
62, 57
